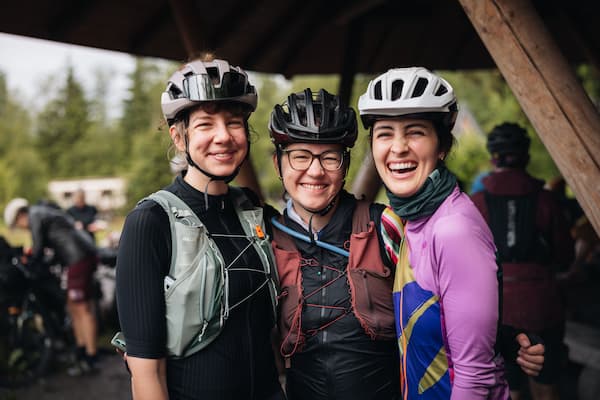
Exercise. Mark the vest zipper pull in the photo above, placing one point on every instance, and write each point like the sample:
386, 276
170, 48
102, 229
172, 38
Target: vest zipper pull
259, 232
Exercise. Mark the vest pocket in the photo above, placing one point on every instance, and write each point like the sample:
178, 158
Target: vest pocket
195, 296
372, 303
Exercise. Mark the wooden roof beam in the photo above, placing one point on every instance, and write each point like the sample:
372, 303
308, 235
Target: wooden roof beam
194, 38
74, 11
547, 89
268, 39
150, 28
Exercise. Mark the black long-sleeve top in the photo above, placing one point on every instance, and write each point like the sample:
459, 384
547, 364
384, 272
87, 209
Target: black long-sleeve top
239, 364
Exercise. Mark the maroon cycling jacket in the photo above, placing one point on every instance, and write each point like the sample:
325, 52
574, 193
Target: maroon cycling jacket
531, 297
369, 279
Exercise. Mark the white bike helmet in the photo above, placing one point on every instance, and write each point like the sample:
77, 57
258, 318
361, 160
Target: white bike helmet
12, 210
406, 91
206, 81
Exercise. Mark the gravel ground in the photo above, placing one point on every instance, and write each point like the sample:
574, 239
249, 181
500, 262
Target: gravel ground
111, 382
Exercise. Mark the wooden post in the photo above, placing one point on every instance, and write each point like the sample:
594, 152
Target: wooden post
367, 181
548, 91
247, 178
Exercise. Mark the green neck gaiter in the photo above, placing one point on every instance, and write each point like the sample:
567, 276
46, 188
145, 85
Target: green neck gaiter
437, 187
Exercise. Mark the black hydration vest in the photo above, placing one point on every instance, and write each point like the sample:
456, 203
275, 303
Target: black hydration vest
512, 220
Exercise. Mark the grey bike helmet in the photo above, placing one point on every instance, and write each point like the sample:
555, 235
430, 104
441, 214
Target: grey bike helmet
206, 81
409, 91
308, 117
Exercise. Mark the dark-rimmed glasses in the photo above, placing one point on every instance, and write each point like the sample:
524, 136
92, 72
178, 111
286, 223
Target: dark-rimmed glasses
301, 160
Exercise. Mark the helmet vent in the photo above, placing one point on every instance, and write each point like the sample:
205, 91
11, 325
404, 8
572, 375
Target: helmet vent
213, 73
397, 89
175, 92
441, 90
377, 90
420, 87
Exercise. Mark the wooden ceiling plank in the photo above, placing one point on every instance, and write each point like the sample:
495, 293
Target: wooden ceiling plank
233, 19
356, 10
315, 14
193, 36
266, 41
149, 29
350, 61
575, 27
67, 20
547, 89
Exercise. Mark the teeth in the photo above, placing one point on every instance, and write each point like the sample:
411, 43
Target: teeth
313, 187
403, 165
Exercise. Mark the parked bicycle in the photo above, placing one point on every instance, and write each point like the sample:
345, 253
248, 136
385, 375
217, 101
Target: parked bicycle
33, 322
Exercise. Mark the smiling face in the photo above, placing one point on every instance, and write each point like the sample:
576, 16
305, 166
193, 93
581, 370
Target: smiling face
218, 144
314, 188
405, 152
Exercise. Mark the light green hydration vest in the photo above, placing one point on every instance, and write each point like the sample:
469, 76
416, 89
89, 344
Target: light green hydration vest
197, 286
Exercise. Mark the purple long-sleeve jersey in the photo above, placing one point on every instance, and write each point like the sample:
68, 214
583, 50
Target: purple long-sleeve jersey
446, 303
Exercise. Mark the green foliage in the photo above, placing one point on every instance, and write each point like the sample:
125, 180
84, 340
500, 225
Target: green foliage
141, 110
468, 158
261, 148
22, 174
590, 79
492, 102
149, 170
63, 122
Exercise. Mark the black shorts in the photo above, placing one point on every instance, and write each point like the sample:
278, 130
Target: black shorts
554, 356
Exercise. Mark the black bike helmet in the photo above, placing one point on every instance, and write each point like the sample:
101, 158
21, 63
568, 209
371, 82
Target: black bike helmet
309, 117
508, 138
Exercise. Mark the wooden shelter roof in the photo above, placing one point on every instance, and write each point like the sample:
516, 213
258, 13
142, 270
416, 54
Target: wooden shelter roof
295, 36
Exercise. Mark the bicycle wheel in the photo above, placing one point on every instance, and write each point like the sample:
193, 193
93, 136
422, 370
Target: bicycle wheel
28, 351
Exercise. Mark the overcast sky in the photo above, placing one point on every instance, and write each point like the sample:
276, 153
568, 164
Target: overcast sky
27, 63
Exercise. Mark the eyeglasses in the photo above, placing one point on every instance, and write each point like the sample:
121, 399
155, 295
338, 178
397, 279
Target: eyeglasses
301, 160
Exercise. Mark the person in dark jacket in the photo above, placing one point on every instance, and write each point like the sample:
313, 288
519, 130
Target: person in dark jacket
51, 228
533, 242
84, 214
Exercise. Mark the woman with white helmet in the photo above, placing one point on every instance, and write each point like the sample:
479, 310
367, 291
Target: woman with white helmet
194, 287
446, 285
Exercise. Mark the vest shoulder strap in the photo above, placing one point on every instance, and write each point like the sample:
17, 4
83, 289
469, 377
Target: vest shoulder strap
361, 217
178, 212
282, 239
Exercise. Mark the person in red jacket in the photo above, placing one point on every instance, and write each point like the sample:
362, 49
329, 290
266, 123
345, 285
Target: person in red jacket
533, 243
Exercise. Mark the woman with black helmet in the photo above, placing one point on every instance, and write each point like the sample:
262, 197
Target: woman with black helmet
336, 314
195, 288
445, 288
